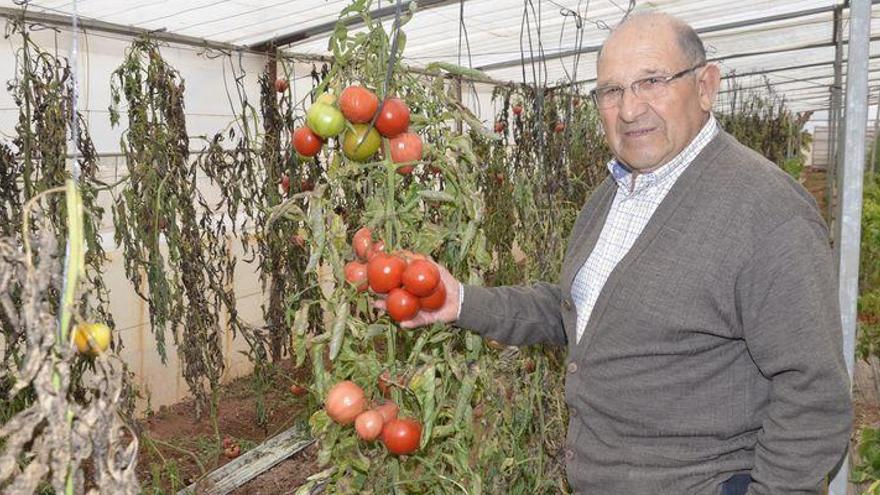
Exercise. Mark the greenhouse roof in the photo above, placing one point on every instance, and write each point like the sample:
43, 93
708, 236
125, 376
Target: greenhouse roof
552, 42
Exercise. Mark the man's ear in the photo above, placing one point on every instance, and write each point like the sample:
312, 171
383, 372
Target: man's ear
709, 81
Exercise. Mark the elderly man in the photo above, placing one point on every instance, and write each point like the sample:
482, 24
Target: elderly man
697, 298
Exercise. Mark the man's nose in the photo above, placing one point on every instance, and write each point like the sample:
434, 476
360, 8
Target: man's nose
631, 106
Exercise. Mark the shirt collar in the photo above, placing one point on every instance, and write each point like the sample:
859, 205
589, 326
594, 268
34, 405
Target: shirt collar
623, 175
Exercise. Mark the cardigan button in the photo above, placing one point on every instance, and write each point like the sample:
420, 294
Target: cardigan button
572, 367
569, 454
566, 304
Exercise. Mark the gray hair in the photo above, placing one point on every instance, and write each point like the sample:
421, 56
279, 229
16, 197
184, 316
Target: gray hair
689, 41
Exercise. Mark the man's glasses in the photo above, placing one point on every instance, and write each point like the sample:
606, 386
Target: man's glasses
648, 89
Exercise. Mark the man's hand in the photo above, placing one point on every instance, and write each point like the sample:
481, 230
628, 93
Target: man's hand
446, 314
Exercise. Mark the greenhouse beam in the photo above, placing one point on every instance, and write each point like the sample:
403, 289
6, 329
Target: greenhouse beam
87, 24
811, 46
786, 68
310, 57
702, 30
310, 32
851, 186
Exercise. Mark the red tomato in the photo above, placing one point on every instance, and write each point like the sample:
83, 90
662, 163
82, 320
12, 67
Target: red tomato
228, 442
385, 272
402, 436
376, 248
517, 109
409, 256
406, 147
499, 126
388, 410
436, 300
298, 390
362, 242
306, 185
369, 425
402, 305
356, 274
405, 170
232, 452
358, 104
281, 85
421, 278
393, 118
560, 126
285, 184
306, 142
344, 402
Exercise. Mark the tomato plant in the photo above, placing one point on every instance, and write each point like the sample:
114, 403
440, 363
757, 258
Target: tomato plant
436, 375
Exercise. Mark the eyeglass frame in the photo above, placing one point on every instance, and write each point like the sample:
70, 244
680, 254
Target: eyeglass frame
665, 80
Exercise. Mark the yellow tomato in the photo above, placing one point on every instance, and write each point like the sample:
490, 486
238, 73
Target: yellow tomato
91, 338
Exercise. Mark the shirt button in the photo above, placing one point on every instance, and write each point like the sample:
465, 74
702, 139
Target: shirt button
569, 454
572, 367
566, 304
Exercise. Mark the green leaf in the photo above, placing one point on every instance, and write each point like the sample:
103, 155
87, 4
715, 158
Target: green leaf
456, 70
340, 319
423, 385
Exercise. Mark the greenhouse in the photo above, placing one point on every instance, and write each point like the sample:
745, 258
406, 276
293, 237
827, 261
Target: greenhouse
440, 246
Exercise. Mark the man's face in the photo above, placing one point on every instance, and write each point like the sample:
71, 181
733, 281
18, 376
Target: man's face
647, 133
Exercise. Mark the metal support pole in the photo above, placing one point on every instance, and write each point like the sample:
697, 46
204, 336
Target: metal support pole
834, 121
851, 184
872, 166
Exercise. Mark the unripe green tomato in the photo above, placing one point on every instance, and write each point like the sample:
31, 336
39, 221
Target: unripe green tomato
325, 120
367, 148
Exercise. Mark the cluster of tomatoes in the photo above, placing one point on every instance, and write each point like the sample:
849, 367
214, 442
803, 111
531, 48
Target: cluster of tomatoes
347, 404
231, 449
354, 116
411, 281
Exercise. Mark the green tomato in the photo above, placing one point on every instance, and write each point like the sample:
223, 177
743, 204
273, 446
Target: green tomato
325, 120
368, 147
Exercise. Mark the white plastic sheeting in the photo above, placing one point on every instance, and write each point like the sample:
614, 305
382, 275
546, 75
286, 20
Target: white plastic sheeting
532, 41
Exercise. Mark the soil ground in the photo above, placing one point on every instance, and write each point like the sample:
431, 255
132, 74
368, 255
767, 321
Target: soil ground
176, 448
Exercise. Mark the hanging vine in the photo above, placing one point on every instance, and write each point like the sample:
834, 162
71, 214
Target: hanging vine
161, 208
